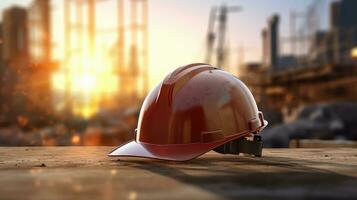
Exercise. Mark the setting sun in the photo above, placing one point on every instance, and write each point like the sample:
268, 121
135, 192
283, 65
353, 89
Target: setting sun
88, 80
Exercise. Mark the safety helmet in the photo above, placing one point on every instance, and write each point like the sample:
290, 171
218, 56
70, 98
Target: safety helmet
195, 109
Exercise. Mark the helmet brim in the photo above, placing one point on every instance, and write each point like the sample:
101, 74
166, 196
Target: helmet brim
180, 152
172, 152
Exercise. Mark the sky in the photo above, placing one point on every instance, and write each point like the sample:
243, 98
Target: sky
177, 28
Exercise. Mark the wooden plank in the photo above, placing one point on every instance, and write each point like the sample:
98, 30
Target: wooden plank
87, 173
316, 143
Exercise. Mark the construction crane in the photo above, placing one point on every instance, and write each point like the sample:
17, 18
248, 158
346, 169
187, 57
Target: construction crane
310, 24
313, 16
220, 15
210, 34
294, 39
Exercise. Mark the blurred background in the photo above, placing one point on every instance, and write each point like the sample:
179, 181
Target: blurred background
75, 72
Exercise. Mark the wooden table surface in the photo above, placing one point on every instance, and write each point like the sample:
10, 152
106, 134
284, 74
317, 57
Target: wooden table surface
87, 173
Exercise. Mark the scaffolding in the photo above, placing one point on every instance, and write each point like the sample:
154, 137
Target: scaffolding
130, 50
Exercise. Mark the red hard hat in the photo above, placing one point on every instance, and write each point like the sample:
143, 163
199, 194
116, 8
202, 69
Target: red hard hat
195, 109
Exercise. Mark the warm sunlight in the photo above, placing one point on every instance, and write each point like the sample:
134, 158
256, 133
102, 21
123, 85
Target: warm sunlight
354, 53
89, 79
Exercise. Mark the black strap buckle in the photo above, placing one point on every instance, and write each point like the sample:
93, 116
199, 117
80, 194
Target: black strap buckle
242, 145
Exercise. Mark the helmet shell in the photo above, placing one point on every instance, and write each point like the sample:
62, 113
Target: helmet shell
197, 105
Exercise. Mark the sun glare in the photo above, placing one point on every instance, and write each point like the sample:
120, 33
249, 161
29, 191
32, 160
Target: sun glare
354, 53
87, 79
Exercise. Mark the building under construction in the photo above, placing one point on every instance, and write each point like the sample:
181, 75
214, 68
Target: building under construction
327, 73
129, 53
26, 63
27, 67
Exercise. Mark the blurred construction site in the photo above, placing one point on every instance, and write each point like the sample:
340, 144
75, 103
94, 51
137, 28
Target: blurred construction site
75, 72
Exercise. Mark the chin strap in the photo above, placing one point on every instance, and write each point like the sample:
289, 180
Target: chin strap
242, 145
